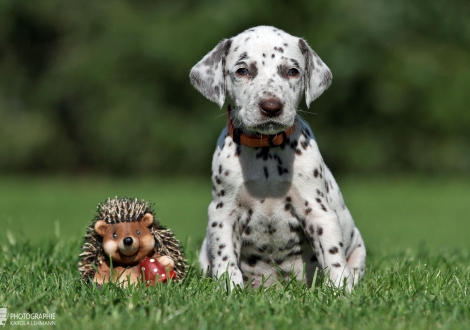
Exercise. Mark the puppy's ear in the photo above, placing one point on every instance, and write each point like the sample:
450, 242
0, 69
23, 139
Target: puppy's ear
208, 75
317, 77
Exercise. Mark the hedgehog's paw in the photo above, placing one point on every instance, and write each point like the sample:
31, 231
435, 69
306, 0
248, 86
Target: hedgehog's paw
166, 262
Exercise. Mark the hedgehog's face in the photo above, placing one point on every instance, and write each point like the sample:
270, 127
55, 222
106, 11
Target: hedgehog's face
127, 243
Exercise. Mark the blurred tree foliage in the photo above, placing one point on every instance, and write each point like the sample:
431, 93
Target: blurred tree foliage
103, 86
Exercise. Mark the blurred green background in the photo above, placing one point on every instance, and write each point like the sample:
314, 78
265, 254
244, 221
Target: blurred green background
95, 101
102, 86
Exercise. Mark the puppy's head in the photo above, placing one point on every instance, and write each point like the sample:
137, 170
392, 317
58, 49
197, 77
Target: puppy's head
264, 72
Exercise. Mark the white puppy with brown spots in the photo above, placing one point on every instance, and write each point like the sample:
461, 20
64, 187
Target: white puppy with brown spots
277, 210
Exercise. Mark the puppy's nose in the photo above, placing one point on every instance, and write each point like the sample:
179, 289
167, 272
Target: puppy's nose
270, 107
128, 241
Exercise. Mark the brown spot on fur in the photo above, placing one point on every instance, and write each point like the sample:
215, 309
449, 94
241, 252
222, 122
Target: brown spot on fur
253, 70
319, 231
253, 259
333, 250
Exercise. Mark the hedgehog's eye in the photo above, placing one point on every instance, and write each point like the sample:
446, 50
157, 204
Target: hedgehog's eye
114, 235
138, 232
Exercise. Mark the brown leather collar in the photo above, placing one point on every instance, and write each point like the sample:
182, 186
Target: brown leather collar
259, 140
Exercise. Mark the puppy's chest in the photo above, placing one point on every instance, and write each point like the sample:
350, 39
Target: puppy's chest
266, 165
267, 232
262, 178
265, 227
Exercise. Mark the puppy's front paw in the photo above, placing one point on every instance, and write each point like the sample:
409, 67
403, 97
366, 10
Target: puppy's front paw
235, 277
342, 278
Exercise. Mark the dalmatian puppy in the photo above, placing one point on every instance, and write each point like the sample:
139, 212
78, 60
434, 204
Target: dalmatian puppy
277, 211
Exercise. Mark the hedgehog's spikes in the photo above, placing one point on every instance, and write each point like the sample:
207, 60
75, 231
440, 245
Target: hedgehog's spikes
118, 210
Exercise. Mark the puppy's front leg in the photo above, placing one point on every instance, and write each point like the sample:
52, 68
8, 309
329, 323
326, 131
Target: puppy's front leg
321, 226
224, 249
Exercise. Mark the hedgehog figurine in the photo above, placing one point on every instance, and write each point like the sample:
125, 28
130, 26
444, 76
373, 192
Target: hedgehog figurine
124, 236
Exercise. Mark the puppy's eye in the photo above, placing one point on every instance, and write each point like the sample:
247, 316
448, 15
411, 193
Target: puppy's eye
114, 235
243, 72
292, 72
137, 232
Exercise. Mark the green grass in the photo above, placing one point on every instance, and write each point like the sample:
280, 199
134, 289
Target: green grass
416, 231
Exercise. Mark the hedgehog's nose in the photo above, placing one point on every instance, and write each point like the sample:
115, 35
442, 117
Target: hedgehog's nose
128, 241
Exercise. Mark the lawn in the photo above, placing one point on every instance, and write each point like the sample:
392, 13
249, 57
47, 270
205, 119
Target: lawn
416, 231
